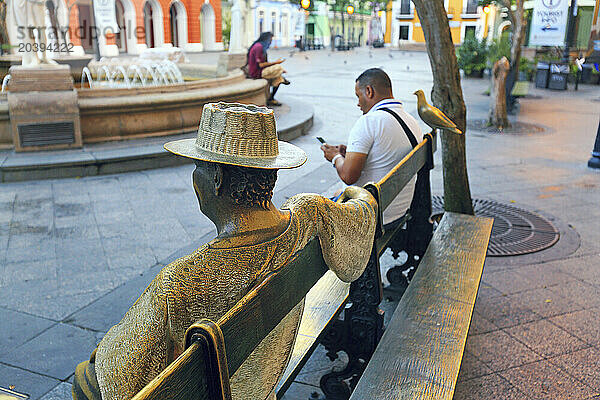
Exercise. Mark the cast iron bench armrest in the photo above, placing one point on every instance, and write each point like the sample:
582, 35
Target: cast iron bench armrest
420, 352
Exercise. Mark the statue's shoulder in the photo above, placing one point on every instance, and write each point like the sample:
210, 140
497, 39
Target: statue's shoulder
184, 264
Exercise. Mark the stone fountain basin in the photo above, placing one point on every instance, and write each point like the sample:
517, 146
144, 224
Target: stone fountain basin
108, 114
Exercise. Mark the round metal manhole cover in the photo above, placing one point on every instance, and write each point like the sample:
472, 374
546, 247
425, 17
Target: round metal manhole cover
515, 231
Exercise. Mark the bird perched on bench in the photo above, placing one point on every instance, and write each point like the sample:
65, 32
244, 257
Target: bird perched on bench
432, 116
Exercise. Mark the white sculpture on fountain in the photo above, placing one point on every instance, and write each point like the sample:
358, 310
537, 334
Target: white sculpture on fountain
29, 16
242, 28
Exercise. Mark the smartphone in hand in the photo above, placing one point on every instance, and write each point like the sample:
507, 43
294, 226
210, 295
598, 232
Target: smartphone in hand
320, 139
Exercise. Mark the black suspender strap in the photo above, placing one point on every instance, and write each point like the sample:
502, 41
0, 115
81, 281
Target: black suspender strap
411, 137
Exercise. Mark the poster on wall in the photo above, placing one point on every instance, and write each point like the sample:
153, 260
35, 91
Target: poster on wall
105, 16
549, 22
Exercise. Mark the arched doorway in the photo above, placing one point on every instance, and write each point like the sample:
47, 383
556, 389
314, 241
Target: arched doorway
207, 24
153, 23
121, 36
178, 22
149, 25
85, 21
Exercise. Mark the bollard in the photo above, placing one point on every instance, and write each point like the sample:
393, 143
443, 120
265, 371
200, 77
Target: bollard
594, 161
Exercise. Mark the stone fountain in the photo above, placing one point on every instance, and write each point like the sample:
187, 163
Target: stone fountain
158, 93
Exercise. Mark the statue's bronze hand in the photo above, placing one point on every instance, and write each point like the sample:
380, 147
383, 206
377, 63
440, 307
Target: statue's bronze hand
358, 193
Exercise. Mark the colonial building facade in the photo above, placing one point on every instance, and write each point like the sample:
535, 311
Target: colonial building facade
192, 25
283, 19
324, 23
465, 18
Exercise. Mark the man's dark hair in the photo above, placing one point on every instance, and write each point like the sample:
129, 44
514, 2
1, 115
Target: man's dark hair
249, 186
376, 78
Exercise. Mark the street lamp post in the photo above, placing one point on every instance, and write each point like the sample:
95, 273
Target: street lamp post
350, 11
300, 44
594, 161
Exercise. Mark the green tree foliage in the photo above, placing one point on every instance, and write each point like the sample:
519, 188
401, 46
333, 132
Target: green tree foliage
226, 24
472, 55
499, 48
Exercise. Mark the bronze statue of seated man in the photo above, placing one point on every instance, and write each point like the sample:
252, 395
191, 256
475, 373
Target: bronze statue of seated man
237, 157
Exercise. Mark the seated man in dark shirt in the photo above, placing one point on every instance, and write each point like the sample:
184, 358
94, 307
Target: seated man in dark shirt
259, 67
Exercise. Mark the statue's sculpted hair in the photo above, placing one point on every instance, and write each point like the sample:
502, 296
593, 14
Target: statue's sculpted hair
250, 186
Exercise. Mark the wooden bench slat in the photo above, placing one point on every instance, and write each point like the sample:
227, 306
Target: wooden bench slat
323, 303
420, 352
520, 89
244, 326
186, 378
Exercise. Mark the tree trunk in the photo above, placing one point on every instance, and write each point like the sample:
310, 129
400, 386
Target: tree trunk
498, 114
447, 96
518, 36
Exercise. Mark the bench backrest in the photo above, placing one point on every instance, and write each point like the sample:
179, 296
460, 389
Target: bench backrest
199, 373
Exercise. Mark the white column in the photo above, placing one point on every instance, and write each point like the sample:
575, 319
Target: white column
237, 28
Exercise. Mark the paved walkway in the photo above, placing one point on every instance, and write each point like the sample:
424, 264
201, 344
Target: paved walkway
75, 253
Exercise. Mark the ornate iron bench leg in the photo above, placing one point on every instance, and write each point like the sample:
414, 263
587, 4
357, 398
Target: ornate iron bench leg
357, 334
415, 239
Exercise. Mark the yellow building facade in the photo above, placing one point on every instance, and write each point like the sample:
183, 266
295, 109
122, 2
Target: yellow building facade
465, 18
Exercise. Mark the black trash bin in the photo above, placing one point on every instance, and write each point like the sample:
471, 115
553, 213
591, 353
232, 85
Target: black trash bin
542, 74
559, 75
586, 73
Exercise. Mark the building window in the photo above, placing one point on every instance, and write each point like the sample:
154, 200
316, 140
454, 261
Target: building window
472, 6
404, 32
273, 23
404, 7
470, 32
261, 21
283, 27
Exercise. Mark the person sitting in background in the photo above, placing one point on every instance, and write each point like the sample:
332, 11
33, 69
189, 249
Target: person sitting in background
379, 139
259, 67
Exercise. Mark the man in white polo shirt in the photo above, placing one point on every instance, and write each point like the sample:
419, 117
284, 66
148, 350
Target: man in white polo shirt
378, 140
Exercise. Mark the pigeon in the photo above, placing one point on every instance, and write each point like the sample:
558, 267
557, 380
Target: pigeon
433, 116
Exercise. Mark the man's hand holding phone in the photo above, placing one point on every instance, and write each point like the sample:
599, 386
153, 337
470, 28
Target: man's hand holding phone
330, 151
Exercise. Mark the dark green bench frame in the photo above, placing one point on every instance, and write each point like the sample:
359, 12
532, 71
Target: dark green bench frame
214, 351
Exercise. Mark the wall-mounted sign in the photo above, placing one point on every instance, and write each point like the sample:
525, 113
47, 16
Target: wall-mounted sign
105, 15
549, 22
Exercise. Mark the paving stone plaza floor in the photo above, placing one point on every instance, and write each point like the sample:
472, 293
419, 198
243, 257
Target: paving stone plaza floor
75, 253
